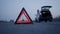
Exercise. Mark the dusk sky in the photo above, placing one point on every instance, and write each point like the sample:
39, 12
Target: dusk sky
10, 9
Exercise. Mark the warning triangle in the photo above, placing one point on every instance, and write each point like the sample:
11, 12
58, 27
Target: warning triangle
23, 17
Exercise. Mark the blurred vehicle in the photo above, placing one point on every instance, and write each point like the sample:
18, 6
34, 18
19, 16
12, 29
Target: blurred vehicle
45, 14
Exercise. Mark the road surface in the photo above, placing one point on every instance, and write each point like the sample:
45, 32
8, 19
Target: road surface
35, 28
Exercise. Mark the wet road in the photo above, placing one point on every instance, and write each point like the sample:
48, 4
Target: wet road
35, 28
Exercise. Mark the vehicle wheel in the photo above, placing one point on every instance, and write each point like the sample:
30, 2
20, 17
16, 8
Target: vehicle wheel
45, 20
50, 20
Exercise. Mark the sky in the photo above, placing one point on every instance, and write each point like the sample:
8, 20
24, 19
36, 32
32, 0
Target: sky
10, 9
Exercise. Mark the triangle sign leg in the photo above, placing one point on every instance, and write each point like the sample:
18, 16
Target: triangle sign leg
23, 18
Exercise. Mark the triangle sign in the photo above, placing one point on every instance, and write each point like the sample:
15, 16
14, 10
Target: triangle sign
23, 18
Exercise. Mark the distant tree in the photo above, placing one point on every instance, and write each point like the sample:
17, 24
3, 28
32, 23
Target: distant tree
11, 20
57, 19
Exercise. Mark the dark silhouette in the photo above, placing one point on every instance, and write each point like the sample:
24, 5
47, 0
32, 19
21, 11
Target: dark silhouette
45, 14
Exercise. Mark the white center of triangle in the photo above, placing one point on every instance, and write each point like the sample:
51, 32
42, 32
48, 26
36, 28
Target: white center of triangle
23, 18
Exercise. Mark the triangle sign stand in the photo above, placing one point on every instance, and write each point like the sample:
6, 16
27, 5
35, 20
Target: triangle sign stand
23, 18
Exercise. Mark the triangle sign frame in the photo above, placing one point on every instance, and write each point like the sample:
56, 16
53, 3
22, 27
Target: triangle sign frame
23, 12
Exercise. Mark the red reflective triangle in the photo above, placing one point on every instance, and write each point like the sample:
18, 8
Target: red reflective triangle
19, 21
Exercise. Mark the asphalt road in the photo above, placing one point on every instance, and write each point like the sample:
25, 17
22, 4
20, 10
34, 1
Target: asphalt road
35, 28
